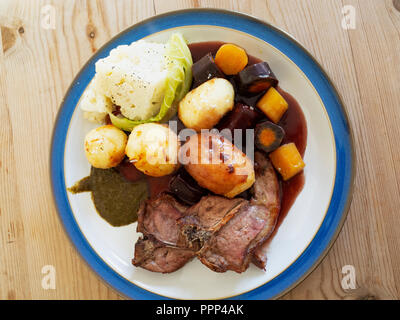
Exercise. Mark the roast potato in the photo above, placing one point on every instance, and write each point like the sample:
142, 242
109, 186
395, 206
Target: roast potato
153, 149
105, 146
217, 165
203, 107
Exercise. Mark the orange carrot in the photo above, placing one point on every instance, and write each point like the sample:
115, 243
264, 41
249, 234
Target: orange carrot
231, 59
268, 136
273, 105
287, 160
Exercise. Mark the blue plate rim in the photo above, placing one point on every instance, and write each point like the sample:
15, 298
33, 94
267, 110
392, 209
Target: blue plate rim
343, 189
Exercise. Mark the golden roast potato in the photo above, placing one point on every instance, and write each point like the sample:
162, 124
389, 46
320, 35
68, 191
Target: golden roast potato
105, 146
204, 106
217, 165
153, 149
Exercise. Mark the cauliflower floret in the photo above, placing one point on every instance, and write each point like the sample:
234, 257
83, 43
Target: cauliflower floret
132, 77
94, 104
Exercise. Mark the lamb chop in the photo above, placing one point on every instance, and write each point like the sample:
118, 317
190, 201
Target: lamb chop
266, 192
225, 234
156, 256
158, 249
232, 246
205, 218
232, 232
158, 217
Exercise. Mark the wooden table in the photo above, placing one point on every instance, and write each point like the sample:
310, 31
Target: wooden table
37, 64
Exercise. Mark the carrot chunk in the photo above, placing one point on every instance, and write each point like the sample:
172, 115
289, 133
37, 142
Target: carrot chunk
273, 105
268, 136
231, 59
287, 160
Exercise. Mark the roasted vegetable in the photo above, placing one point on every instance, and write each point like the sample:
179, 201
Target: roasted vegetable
256, 78
185, 188
287, 160
127, 169
241, 117
179, 81
105, 146
203, 107
153, 149
273, 105
231, 59
268, 136
217, 165
205, 69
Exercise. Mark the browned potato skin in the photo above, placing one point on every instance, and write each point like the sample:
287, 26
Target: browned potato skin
155, 142
105, 146
204, 106
217, 165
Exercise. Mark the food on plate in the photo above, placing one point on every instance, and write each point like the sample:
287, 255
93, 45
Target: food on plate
153, 149
204, 106
217, 165
95, 105
287, 160
273, 105
228, 249
185, 188
105, 146
179, 63
267, 192
128, 170
133, 77
116, 199
159, 217
206, 199
155, 256
212, 229
143, 79
158, 250
205, 218
241, 117
231, 59
268, 136
205, 69
256, 78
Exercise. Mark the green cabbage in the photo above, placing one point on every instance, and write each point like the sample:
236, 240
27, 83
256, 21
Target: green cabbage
179, 80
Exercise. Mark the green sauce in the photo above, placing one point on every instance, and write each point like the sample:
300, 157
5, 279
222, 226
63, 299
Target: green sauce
116, 199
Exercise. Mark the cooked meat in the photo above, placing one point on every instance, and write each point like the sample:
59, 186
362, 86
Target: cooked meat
214, 220
157, 251
205, 218
155, 256
266, 191
225, 234
231, 247
158, 217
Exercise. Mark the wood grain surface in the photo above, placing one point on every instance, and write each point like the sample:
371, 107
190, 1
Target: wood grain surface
38, 64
